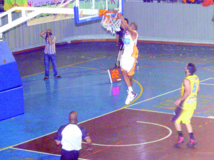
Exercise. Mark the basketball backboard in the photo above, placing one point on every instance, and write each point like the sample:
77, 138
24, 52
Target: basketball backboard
53, 10
88, 10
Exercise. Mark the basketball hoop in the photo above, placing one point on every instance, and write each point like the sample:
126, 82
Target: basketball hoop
110, 20
207, 3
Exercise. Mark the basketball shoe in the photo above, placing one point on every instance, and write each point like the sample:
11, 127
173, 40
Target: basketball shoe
130, 97
180, 141
191, 143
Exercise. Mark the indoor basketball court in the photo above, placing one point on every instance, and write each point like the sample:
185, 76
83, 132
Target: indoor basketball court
141, 130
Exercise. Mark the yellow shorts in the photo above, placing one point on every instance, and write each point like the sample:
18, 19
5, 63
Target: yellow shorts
183, 116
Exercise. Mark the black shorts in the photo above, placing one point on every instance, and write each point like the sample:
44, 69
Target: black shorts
121, 45
69, 155
177, 113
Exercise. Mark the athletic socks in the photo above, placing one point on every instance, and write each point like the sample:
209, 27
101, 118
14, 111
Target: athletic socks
119, 55
180, 134
130, 89
191, 136
181, 139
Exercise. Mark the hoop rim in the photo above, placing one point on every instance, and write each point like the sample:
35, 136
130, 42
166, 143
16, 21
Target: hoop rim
103, 12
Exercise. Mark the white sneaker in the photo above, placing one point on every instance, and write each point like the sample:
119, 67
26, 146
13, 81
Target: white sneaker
130, 97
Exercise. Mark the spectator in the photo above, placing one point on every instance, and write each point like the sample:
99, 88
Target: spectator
50, 53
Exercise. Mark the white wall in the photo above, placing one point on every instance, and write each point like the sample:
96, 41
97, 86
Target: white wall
174, 22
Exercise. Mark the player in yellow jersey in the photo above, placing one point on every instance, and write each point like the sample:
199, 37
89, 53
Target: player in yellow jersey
129, 57
186, 105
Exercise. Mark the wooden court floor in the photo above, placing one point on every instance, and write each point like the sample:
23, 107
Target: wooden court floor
135, 134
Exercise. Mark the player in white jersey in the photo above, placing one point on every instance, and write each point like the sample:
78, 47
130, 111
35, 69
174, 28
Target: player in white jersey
129, 57
120, 43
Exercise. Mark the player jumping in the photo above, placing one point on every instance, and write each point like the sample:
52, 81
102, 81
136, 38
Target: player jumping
120, 43
186, 105
129, 57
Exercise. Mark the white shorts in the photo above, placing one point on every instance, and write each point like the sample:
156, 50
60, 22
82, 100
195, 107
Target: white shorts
127, 62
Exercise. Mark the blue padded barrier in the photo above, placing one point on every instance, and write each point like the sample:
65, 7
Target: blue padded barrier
9, 73
11, 91
11, 103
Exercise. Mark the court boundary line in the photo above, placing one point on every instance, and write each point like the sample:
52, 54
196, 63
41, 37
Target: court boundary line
57, 155
163, 94
146, 110
27, 150
207, 84
12, 146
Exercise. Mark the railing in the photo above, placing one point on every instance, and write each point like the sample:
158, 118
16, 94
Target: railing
168, 1
28, 13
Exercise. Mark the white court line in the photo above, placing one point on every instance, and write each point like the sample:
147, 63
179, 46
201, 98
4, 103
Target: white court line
27, 150
211, 117
56, 131
137, 144
207, 84
163, 94
58, 155
1, 149
86, 121
147, 110
154, 97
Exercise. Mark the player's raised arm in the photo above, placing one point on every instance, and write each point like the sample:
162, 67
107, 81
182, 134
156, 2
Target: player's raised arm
131, 28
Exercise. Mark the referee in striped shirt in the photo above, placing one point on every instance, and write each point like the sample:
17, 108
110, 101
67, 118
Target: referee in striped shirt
50, 53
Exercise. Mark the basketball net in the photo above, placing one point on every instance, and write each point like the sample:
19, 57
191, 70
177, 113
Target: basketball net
110, 21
